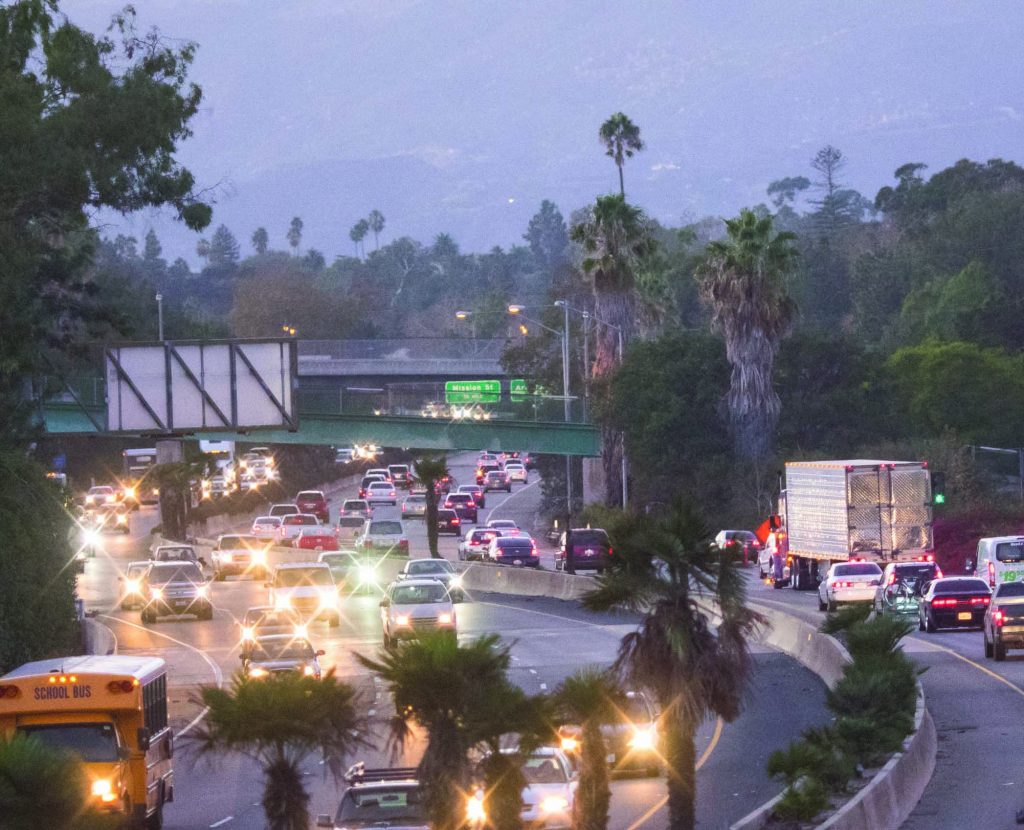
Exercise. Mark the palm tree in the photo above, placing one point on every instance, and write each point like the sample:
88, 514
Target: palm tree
294, 234
744, 281
278, 722
43, 787
590, 698
376, 224
693, 669
445, 688
430, 470
615, 239
621, 138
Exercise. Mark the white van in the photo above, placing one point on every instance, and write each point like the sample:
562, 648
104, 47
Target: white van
1000, 559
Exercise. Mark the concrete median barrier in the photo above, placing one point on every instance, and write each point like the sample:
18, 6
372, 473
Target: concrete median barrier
530, 582
97, 638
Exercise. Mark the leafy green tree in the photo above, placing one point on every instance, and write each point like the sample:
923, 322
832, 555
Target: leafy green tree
294, 234
203, 249
591, 698
744, 282
43, 787
783, 192
279, 721
445, 688
970, 306
548, 239
260, 241
695, 669
621, 138
375, 222
155, 266
615, 238
224, 248
430, 470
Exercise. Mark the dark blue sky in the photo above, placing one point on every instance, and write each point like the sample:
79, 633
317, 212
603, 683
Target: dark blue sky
461, 116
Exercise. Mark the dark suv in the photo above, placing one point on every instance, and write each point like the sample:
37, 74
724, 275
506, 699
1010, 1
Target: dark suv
584, 548
463, 504
315, 502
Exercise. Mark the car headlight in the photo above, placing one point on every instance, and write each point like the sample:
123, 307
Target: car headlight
122, 518
131, 586
444, 618
475, 810
301, 631
129, 492
402, 619
328, 598
554, 804
103, 789
202, 591
259, 557
90, 499
367, 573
111, 499
81, 556
258, 671
248, 633
282, 601
157, 592
569, 743
309, 671
90, 537
456, 581
644, 738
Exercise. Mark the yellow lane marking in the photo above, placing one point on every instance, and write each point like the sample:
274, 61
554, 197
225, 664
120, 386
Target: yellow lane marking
700, 762
970, 662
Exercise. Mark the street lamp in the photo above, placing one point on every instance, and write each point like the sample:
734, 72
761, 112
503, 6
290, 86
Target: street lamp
160, 316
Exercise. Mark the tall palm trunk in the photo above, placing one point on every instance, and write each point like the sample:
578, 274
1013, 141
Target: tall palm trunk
618, 308
593, 795
431, 519
753, 403
622, 183
504, 782
681, 757
285, 800
442, 774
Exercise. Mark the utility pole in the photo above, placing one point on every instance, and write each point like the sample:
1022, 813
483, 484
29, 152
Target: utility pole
160, 317
567, 404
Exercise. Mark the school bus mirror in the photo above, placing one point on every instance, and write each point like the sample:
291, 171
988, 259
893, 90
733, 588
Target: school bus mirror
142, 738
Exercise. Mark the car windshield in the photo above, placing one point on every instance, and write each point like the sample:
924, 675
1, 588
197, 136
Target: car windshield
386, 528
176, 555
283, 510
135, 571
283, 649
1010, 589
861, 569
915, 571
589, 537
227, 542
469, 488
961, 586
101, 491
309, 495
354, 504
182, 573
351, 521
540, 769
339, 560
300, 577
1010, 551
485, 535
92, 742
300, 519
460, 498
268, 520
379, 806
380, 486
435, 566
401, 469
418, 594
314, 531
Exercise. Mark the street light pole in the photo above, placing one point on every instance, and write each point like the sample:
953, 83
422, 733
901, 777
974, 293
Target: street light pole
586, 366
160, 317
567, 405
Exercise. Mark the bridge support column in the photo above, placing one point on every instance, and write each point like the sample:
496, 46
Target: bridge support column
593, 481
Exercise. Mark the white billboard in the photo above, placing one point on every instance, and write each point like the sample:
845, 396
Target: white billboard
188, 386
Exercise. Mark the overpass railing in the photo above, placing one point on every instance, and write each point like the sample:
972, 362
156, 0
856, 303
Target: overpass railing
419, 348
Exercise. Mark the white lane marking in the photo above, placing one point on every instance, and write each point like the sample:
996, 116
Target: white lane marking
222, 821
518, 492
615, 630
218, 675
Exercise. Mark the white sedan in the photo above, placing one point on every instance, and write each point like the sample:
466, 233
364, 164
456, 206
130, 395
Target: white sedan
516, 472
416, 605
266, 527
550, 793
381, 492
848, 582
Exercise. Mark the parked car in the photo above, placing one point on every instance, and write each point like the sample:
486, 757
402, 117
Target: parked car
315, 502
476, 491
414, 506
1004, 620
132, 588
848, 582
954, 602
416, 605
284, 510
175, 588
266, 527
448, 521
317, 538
356, 507
476, 542
583, 549
520, 551
379, 798
497, 480
440, 570
292, 525
381, 492
464, 506
238, 554
306, 588
281, 654
384, 536
263, 620
747, 544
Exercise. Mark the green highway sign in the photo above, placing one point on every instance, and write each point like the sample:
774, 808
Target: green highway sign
517, 389
472, 391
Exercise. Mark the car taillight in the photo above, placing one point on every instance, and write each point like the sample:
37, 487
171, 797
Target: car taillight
980, 600
943, 603
534, 551
938, 573
456, 521
611, 550
892, 578
392, 492
998, 618
843, 585
403, 543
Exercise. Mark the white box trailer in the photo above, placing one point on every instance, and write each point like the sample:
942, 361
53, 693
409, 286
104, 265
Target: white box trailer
832, 511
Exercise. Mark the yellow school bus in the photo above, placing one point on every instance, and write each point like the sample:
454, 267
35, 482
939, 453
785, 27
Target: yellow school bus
111, 711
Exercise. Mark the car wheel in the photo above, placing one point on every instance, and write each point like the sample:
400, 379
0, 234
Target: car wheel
988, 648
929, 623
569, 567
205, 614
148, 617
999, 652
920, 622
821, 604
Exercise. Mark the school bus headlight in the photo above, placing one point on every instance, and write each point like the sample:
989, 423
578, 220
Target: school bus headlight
257, 672
103, 789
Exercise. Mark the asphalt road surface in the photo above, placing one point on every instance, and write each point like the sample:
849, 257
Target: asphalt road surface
549, 639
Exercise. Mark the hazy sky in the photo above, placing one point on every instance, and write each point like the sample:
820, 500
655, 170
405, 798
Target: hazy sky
461, 116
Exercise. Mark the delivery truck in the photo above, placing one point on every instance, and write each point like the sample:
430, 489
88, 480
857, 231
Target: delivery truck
836, 511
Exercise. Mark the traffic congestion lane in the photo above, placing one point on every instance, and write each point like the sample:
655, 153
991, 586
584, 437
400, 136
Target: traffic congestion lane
977, 707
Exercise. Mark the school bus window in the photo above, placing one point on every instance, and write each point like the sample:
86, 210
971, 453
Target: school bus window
154, 702
92, 742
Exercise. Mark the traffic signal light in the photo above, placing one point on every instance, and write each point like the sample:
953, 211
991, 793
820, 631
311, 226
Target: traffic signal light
938, 488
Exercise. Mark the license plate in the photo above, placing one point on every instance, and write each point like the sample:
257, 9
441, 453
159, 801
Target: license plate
610, 758
517, 561
964, 615
179, 603
589, 551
